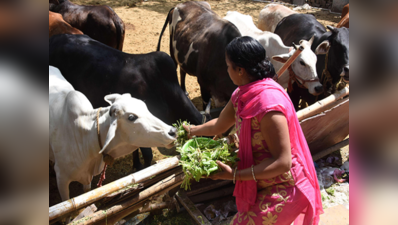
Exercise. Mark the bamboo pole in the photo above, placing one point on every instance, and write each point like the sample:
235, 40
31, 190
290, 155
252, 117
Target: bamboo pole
331, 149
322, 105
102, 214
290, 61
136, 207
209, 187
195, 213
99, 193
145, 184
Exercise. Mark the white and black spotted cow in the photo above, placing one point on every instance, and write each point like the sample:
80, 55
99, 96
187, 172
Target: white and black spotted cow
198, 37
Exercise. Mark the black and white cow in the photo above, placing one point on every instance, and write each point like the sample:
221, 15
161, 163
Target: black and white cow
332, 46
198, 37
96, 70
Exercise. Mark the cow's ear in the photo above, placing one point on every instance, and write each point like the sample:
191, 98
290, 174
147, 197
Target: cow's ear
281, 58
111, 98
322, 48
110, 135
114, 111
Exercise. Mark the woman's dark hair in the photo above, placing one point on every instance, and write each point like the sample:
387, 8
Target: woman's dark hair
248, 53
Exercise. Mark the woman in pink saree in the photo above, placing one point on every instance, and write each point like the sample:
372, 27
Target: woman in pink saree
275, 179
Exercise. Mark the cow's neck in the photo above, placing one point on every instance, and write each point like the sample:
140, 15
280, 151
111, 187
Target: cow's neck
89, 124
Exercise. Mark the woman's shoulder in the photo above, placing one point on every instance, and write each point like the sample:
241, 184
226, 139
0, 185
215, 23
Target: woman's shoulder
235, 95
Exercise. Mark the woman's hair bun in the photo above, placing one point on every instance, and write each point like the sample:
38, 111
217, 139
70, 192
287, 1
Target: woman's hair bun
248, 53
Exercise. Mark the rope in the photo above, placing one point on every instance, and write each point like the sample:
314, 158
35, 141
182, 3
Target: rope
300, 81
107, 158
326, 77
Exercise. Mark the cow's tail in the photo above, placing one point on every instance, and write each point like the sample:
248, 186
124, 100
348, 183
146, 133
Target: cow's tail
168, 18
120, 31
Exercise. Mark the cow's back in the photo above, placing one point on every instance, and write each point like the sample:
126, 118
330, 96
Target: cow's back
298, 27
99, 22
271, 15
82, 61
97, 70
63, 98
59, 26
200, 37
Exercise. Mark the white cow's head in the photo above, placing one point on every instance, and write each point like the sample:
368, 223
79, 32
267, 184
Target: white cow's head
304, 66
132, 126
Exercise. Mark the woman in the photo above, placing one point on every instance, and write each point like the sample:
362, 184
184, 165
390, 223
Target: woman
275, 178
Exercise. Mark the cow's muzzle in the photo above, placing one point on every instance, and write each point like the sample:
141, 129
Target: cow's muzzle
173, 132
318, 90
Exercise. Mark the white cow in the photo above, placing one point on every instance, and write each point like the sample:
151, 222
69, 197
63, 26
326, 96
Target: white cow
305, 64
271, 15
74, 144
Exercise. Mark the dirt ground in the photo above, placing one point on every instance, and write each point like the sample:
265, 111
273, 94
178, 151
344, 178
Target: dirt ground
144, 22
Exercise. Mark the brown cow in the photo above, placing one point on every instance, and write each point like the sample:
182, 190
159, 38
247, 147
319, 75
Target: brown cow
270, 16
99, 22
57, 25
345, 17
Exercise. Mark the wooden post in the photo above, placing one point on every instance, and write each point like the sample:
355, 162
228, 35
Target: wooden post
145, 184
331, 149
290, 61
159, 187
208, 188
221, 192
195, 213
322, 105
137, 208
99, 193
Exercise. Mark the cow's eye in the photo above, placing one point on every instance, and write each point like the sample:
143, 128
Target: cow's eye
133, 117
302, 63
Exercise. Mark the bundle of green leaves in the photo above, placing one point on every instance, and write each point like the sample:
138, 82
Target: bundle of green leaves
182, 134
199, 156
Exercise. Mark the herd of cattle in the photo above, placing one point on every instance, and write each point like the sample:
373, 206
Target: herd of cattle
88, 72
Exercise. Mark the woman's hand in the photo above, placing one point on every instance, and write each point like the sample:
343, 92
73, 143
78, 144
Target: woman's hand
188, 129
227, 172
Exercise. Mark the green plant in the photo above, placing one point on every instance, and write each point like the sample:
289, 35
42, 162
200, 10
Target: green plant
330, 191
199, 155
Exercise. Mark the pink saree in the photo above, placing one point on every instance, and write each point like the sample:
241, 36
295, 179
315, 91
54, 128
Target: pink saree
293, 196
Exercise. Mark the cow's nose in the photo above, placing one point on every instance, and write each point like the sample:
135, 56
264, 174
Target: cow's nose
173, 131
319, 89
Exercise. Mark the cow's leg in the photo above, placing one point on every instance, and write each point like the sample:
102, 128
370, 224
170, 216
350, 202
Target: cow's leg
63, 187
183, 74
87, 187
205, 97
136, 161
147, 155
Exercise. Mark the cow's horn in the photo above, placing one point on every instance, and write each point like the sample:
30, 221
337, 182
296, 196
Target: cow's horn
295, 46
311, 40
333, 29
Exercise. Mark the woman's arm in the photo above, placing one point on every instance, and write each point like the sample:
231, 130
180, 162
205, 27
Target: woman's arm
274, 129
215, 126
